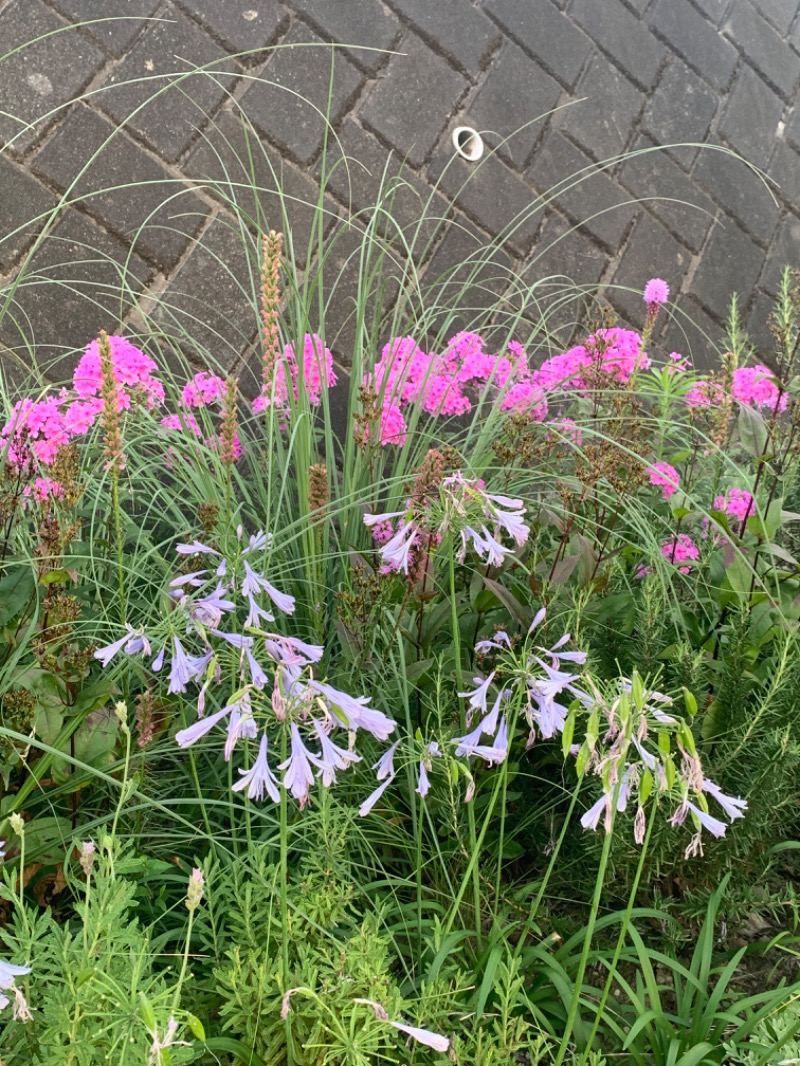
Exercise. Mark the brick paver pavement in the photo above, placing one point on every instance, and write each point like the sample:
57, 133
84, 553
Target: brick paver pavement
89, 109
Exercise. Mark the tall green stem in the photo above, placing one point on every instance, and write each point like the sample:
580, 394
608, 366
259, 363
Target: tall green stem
621, 939
587, 942
284, 875
476, 880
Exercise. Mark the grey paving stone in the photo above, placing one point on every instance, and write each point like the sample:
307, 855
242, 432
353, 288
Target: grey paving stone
465, 280
694, 38
248, 175
762, 46
375, 174
113, 23
412, 101
516, 91
784, 251
492, 195
590, 198
714, 10
602, 122
680, 110
756, 323
210, 305
782, 13
159, 214
42, 77
79, 281
792, 127
290, 99
731, 260
623, 36
462, 32
650, 252
340, 278
357, 22
690, 331
669, 194
751, 116
241, 25
168, 122
784, 168
551, 38
740, 191
22, 200
561, 251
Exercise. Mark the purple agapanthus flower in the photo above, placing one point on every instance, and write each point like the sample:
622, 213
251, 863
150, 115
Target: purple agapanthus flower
733, 806
259, 778
298, 777
355, 709
332, 757
8, 971
186, 737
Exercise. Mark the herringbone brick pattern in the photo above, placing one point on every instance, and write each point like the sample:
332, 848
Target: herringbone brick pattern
99, 106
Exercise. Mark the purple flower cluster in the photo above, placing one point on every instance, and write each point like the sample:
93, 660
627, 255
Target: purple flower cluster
276, 684
631, 769
473, 516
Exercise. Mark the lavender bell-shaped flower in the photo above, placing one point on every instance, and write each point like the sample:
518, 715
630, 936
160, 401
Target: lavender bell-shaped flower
259, 778
298, 777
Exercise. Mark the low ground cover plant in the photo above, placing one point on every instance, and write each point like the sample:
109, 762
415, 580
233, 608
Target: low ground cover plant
466, 733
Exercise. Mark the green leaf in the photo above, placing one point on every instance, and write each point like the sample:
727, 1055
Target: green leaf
509, 601
752, 431
16, 589
196, 1027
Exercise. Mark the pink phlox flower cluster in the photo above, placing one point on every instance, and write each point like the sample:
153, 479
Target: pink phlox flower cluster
737, 503
614, 351
756, 386
133, 370
753, 386
565, 428
704, 394
680, 549
184, 421
40, 425
202, 390
44, 488
440, 383
317, 375
666, 477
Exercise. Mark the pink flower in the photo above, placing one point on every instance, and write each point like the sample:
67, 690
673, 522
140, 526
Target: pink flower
202, 390
704, 394
667, 477
133, 371
738, 503
756, 386
317, 369
656, 291
680, 549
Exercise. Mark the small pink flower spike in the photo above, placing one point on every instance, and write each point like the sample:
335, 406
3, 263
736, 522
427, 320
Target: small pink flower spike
656, 291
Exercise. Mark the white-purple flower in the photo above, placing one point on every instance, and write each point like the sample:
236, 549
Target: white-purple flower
385, 765
298, 777
733, 806
186, 737
373, 797
259, 778
356, 711
396, 552
8, 971
331, 757
479, 695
